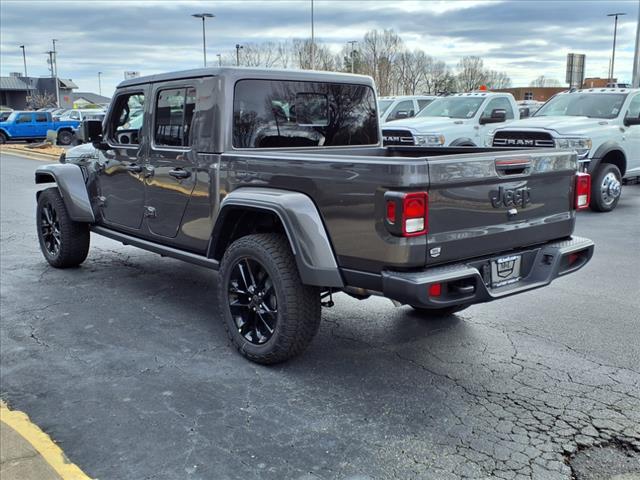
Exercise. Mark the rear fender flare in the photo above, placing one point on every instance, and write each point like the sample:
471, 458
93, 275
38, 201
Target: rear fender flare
302, 224
73, 190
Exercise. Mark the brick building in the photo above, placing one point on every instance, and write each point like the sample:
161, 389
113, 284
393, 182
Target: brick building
539, 94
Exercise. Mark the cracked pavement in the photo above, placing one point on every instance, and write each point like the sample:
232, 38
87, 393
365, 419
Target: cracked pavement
125, 363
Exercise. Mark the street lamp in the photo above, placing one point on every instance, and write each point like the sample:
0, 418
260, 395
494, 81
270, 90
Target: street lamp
100, 83
615, 31
203, 16
24, 60
352, 43
219, 59
238, 47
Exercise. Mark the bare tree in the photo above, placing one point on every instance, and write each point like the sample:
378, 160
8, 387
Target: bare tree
41, 100
495, 80
543, 81
265, 54
380, 50
471, 73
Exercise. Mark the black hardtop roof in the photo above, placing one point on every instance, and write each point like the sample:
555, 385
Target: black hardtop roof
238, 73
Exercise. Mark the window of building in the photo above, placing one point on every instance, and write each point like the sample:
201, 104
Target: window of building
174, 113
528, 95
41, 117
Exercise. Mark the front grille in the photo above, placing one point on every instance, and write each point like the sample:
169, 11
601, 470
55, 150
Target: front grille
397, 137
509, 138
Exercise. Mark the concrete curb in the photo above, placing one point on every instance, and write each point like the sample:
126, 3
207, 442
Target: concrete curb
33, 154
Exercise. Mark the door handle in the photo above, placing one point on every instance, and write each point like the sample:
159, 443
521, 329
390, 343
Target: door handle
133, 168
180, 173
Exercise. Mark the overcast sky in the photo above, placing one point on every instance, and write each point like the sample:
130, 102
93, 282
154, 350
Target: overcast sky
523, 38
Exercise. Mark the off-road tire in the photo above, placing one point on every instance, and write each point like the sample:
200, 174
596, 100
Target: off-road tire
598, 202
3, 138
299, 309
74, 236
65, 137
439, 312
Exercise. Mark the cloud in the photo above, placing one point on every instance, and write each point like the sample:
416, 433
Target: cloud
524, 38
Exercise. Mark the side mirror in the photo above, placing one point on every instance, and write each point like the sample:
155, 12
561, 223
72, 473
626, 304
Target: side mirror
497, 115
91, 131
629, 121
401, 114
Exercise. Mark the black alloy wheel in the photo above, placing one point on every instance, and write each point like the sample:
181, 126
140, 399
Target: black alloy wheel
252, 301
50, 229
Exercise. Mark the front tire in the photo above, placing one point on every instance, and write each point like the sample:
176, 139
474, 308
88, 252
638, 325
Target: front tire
64, 243
606, 188
269, 315
3, 138
65, 137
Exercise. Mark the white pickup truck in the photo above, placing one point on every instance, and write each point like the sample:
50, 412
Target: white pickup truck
402, 106
601, 124
462, 119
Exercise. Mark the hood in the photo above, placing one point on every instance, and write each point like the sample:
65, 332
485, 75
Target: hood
426, 124
563, 125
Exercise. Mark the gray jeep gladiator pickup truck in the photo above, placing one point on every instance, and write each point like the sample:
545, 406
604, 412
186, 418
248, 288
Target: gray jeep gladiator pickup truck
279, 181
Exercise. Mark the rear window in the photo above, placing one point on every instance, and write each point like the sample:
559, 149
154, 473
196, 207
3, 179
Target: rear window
271, 114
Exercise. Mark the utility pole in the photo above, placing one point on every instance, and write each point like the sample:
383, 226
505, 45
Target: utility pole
238, 47
635, 83
24, 60
613, 51
352, 43
204, 16
313, 41
219, 59
54, 66
100, 83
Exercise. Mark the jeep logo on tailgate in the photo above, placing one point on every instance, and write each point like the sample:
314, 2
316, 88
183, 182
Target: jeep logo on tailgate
510, 197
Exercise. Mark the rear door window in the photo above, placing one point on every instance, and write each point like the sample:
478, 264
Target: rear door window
173, 116
277, 114
41, 117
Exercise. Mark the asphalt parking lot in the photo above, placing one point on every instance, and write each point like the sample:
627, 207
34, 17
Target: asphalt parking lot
125, 363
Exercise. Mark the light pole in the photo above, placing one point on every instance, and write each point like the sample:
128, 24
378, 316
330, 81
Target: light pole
352, 43
54, 66
615, 32
238, 47
24, 60
219, 59
635, 83
203, 16
100, 83
313, 40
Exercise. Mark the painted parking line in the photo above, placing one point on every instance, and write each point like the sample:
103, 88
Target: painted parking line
52, 455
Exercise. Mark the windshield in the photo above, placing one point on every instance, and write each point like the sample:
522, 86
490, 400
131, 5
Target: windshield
383, 105
593, 105
453, 107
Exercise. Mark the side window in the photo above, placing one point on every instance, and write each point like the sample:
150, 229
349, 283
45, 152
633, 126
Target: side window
41, 117
502, 103
423, 103
634, 108
125, 122
173, 116
74, 115
24, 118
403, 109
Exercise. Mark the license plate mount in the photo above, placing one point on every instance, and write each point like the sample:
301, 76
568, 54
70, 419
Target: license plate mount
505, 270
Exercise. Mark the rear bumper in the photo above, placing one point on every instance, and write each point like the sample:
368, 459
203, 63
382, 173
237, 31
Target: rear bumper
468, 282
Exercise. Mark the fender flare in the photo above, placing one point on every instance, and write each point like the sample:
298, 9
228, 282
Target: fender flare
460, 141
603, 150
72, 188
6, 134
302, 223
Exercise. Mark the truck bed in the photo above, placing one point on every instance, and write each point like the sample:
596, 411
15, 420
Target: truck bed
467, 187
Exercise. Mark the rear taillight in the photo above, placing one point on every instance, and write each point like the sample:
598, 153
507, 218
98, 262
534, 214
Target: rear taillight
407, 213
583, 191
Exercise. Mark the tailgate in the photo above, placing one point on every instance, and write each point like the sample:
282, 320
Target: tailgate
488, 203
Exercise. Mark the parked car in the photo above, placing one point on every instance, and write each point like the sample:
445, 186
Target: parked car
462, 119
601, 124
288, 227
528, 107
82, 114
404, 106
29, 126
